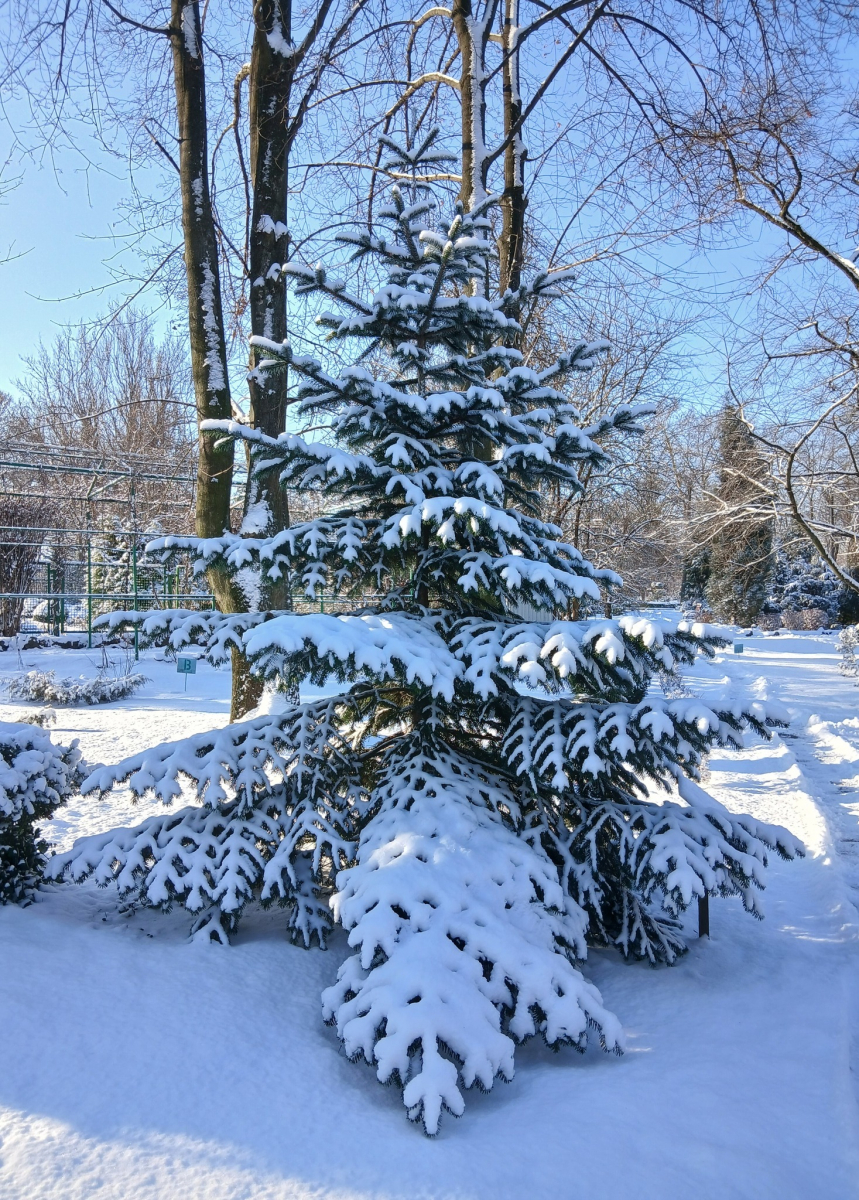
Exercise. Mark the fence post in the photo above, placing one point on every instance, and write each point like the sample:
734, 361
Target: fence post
53, 604
134, 586
89, 592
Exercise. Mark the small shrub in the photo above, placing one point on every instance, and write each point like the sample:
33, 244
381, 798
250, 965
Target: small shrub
43, 718
848, 640
699, 612
805, 618
36, 777
43, 687
815, 618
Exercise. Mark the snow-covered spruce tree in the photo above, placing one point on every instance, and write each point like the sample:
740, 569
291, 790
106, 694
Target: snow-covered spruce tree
36, 776
475, 787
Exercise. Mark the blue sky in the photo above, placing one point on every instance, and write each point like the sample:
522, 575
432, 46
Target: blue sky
60, 219
62, 215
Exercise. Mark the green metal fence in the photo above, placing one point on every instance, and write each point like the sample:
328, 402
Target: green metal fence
69, 596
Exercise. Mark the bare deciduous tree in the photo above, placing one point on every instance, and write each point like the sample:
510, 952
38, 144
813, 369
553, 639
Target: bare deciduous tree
92, 44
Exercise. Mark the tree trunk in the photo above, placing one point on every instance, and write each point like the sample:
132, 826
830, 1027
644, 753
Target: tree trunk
271, 77
473, 36
205, 317
511, 243
247, 688
274, 61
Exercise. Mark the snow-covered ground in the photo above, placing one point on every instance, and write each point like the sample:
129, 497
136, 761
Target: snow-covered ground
135, 1066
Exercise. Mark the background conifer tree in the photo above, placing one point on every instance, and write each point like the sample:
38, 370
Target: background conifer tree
696, 576
741, 549
470, 802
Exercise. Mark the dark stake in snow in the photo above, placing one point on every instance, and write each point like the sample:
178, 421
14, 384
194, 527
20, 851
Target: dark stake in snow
475, 792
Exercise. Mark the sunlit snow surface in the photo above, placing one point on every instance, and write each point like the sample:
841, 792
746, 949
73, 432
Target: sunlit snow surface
134, 1065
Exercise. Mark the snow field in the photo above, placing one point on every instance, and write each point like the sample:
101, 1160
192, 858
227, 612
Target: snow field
134, 1065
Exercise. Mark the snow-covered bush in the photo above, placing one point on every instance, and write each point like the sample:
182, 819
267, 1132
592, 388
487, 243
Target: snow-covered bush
43, 687
848, 641
45, 641
36, 777
43, 717
805, 618
768, 621
803, 590
477, 794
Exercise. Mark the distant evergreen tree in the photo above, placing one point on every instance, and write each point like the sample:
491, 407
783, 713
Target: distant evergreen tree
848, 604
113, 560
741, 549
696, 576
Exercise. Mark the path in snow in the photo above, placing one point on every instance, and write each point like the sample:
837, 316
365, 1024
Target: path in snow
136, 1067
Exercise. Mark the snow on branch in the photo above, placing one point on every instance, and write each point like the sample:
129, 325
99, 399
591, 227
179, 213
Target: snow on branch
277, 820
224, 765
35, 774
609, 657
616, 747
337, 462
462, 940
217, 633
390, 646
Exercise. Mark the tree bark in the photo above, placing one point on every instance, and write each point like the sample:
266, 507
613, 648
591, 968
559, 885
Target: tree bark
205, 318
273, 129
472, 34
511, 243
271, 77
274, 61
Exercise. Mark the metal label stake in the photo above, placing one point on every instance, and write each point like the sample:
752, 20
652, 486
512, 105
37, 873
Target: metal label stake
186, 667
